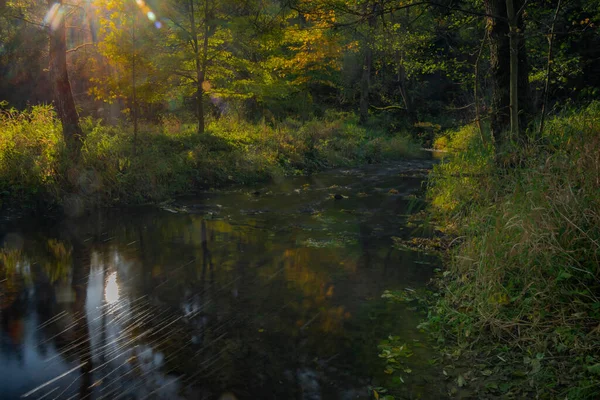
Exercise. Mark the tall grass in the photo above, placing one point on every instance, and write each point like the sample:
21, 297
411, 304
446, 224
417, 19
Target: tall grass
30, 152
170, 158
527, 274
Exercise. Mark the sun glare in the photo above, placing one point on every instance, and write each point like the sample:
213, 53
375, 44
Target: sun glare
54, 16
148, 12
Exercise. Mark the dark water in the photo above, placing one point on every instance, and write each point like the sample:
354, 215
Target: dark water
255, 293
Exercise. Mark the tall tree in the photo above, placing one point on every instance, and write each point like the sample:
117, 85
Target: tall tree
192, 27
127, 68
506, 28
365, 79
63, 95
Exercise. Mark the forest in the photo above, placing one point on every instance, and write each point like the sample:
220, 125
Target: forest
107, 103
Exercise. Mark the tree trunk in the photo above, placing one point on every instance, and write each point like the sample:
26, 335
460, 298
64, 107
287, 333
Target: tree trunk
199, 74
365, 82
63, 96
204, 63
402, 85
476, 90
547, 80
500, 63
133, 83
514, 68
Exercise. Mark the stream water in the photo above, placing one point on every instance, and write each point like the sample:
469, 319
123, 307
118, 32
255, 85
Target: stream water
270, 292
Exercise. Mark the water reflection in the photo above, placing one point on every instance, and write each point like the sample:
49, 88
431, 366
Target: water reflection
227, 304
111, 289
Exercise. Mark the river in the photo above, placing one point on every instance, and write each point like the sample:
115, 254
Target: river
267, 292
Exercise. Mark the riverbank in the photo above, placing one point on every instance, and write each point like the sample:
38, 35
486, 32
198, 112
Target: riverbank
170, 159
518, 312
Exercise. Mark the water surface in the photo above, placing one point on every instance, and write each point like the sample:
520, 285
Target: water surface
270, 292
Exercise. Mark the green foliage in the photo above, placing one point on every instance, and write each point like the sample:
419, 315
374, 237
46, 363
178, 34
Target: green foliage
30, 152
526, 272
455, 183
172, 158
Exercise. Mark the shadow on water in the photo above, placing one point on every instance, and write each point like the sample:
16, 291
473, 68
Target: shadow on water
270, 292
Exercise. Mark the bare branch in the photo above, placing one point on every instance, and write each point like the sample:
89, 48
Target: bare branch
185, 75
392, 107
74, 49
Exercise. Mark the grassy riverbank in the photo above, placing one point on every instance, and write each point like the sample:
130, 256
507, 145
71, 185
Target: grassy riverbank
171, 159
519, 313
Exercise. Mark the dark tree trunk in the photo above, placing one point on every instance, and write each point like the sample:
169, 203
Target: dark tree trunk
199, 78
500, 69
365, 79
406, 99
63, 96
365, 83
200, 61
203, 65
133, 82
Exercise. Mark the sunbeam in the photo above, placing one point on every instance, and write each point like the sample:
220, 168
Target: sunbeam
54, 16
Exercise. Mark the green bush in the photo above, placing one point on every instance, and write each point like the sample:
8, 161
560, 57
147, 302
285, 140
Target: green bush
30, 150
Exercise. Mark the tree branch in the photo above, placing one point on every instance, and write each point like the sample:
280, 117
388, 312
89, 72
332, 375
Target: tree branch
22, 18
364, 16
392, 107
74, 49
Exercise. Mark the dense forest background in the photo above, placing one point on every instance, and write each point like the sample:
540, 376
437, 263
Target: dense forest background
402, 65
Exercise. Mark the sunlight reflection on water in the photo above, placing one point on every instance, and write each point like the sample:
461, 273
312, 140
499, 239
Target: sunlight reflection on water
111, 291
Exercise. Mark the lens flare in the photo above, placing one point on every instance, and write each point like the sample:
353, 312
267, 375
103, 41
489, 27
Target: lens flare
158, 25
54, 16
151, 16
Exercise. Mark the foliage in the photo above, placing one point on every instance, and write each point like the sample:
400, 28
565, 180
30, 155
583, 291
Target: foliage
526, 273
171, 158
30, 152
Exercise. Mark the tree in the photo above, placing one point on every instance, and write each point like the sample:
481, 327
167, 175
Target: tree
59, 76
192, 25
127, 68
55, 24
511, 100
22, 77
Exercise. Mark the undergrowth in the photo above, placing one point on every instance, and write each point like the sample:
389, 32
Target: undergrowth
522, 290
170, 158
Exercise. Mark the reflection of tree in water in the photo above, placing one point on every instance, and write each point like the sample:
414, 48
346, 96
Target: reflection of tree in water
13, 307
223, 307
80, 275
252, 310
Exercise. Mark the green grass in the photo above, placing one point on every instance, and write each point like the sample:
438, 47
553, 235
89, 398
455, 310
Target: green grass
526, 275
170, 158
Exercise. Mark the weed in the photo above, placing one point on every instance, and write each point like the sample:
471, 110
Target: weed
527, 274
